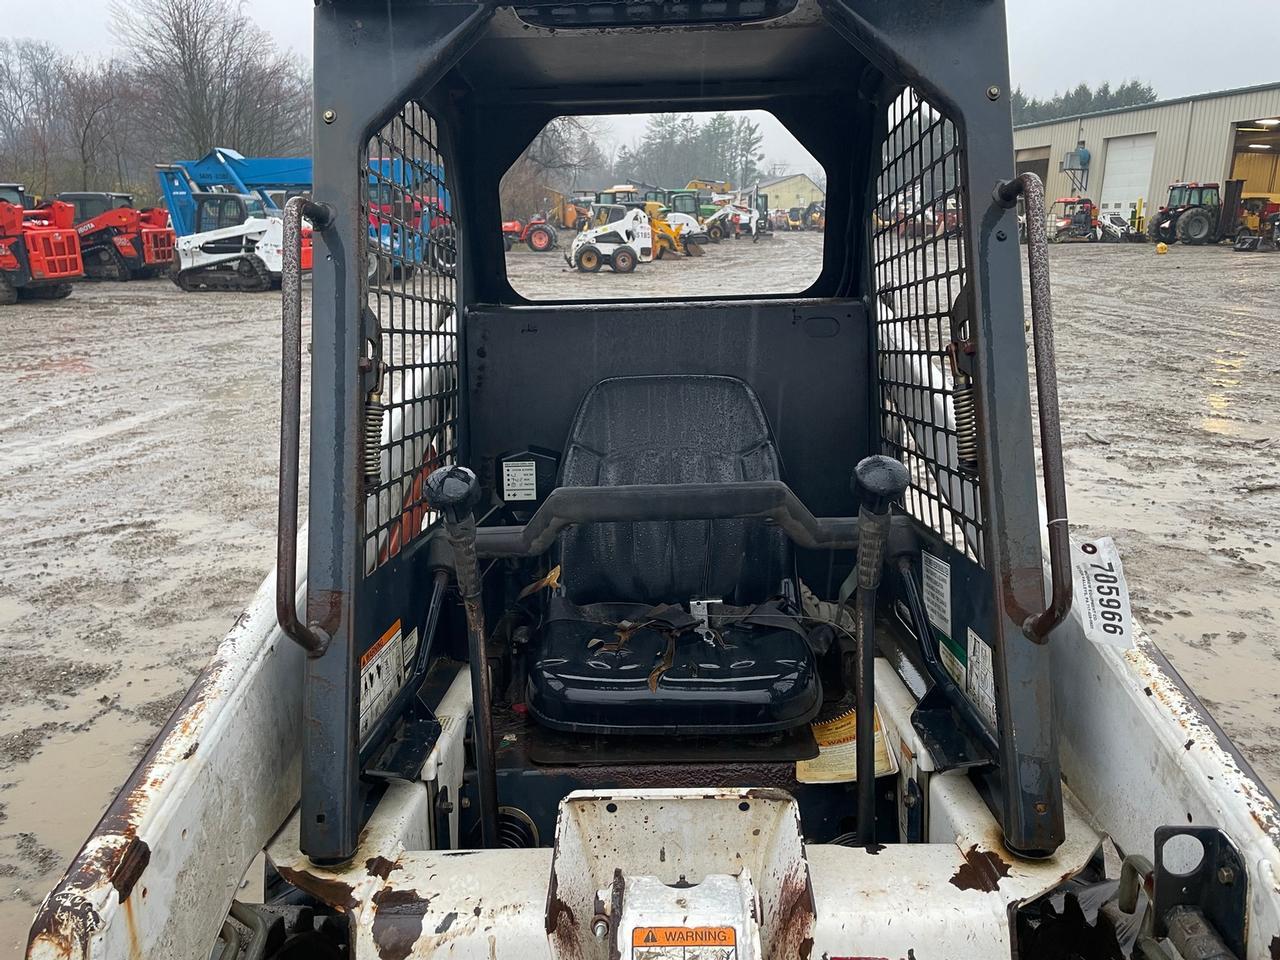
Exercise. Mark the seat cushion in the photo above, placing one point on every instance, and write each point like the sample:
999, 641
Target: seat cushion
671, 430
755, 675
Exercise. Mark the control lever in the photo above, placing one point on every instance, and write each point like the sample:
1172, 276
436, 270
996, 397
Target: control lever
454, 491
882, 480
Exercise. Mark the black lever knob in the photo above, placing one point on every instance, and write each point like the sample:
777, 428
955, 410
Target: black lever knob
454, 491
883, 480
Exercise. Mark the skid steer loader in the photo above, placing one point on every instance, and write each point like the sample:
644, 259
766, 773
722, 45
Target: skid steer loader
118, 242
680, 628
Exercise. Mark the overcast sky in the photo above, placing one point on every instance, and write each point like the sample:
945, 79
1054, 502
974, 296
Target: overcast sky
1179, 46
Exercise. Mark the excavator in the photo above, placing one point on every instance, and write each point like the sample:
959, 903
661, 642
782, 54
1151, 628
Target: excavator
749, 626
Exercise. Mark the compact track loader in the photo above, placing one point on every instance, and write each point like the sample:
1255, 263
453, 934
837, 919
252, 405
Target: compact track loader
118, 242
731, 628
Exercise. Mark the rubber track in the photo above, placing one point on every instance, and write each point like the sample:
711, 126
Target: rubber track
216, 279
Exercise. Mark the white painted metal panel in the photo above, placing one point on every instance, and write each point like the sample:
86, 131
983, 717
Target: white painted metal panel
1126, 175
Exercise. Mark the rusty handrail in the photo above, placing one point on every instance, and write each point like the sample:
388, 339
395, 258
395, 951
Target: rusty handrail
1030, 188
309, 637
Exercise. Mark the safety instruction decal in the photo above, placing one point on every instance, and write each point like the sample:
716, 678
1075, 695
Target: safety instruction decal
982, 678
937, 591
684, 943
837, 759
1101, 600
382, 674
519, 480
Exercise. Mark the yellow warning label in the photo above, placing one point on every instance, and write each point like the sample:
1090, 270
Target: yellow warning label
684, 937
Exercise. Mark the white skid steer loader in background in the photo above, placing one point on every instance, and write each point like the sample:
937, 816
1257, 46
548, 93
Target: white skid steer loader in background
620, 238
246, 257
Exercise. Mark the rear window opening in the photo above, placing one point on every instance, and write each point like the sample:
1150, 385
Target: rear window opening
663, 206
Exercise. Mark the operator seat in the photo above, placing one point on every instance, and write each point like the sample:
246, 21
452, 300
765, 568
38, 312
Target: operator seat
619, 651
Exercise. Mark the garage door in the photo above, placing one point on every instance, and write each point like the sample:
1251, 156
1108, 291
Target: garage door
1033, 160
1127, 174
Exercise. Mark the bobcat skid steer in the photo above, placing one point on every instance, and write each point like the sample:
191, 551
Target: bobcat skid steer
619, 236
679, 628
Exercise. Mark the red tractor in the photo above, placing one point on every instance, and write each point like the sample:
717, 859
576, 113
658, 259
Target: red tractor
537, 232
39, 252
118, 242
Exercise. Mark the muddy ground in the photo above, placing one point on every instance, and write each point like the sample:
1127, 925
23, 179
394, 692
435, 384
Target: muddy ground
138, 442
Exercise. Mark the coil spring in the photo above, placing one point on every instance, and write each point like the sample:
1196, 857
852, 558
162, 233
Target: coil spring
966, 414
373, 411
516, 830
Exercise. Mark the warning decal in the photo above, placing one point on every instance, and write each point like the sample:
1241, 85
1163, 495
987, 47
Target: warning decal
684, 943
382, 674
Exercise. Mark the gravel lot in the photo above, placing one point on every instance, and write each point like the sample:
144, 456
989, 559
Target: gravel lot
138, 439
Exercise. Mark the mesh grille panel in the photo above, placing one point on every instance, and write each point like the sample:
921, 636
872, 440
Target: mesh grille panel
411, 419
920, 269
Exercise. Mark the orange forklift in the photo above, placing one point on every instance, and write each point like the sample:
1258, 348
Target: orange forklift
39, 249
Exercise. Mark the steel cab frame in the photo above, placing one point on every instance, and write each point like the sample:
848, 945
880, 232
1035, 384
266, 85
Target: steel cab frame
895, 100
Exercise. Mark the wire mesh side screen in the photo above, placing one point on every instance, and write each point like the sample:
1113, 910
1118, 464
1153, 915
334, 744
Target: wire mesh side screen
411, 409
920, 269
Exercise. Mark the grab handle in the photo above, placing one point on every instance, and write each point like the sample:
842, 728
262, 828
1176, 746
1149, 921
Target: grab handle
309, 637
1030, 188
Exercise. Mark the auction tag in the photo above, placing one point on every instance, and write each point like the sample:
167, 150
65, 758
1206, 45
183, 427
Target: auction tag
1101, 595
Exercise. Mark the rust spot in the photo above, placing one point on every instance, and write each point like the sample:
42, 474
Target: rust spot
447, 922
191, 750
333, 892
1188, 745
65, 922
562, 927
325, 607
806, 948
397, 921
793, 922
1147, 691
380, 867
982, 870
134, 860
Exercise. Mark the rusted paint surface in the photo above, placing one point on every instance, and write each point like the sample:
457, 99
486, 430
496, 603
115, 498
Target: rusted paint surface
1178, 702
792, 926
64, 925
982, 870
336, 893
562, 928
380, 867
134, 860
397, 921
112, 857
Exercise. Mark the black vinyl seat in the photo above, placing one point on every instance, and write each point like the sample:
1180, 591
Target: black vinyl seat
617, 651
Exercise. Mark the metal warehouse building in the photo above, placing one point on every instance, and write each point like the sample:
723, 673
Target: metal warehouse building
1134, 153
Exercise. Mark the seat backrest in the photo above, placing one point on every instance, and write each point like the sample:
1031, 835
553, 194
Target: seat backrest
671, 430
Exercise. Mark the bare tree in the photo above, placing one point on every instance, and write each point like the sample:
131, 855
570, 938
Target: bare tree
210, 77
30, 108
88, 94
